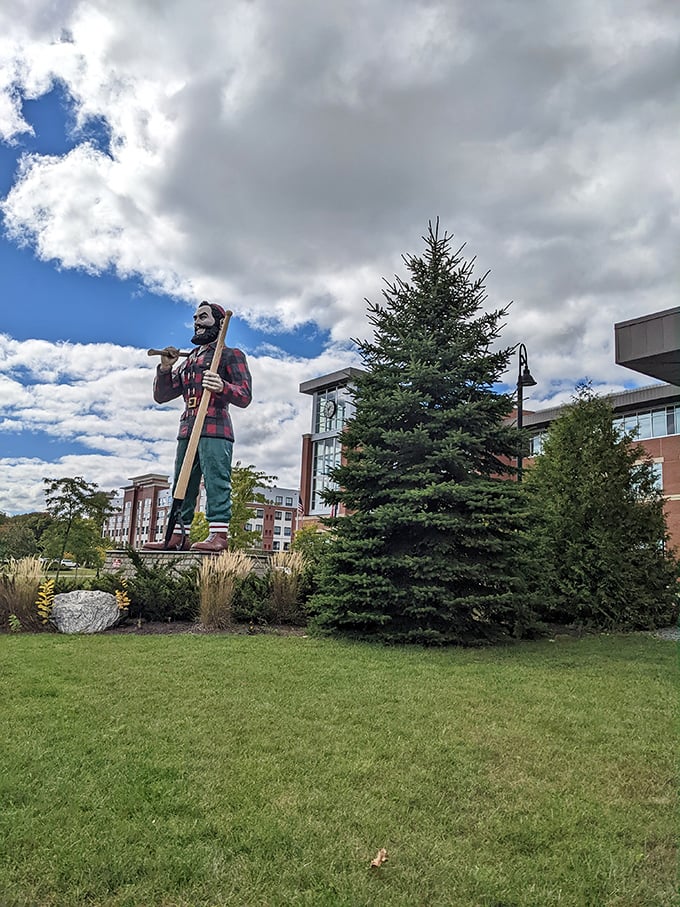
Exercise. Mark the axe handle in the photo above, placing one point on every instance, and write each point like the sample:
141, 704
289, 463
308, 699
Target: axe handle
183, 479
162, 353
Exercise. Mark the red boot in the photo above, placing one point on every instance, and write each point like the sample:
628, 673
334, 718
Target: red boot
216, 541
177, 543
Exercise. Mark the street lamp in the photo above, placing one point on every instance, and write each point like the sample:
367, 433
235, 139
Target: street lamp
524, 379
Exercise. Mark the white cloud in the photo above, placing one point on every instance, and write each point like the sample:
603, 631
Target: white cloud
281, 157
98, 396
286, 168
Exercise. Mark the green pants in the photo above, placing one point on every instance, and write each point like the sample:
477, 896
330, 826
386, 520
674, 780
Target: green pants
213, 462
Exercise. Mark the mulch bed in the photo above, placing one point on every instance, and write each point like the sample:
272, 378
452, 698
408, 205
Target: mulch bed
164, 628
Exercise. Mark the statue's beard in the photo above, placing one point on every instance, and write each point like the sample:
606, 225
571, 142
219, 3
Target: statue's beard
207, 335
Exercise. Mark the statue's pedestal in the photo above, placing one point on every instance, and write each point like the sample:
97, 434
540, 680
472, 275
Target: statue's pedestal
118, 560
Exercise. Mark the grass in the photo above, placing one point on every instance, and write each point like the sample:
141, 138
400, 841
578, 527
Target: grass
200, 771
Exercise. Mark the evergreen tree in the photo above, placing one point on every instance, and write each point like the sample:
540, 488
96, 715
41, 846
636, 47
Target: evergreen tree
600, 531
431, 549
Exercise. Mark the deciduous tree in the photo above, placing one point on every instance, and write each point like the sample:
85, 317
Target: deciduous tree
200, 528
70, 501
244, 481
20, 535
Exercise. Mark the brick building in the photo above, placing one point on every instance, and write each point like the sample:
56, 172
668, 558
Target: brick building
277, 519
143, 507
653, 410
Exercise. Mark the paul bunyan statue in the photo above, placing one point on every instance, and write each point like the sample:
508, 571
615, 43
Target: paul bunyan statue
228, 383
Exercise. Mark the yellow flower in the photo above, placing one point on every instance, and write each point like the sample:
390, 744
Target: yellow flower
122, 597
45, 599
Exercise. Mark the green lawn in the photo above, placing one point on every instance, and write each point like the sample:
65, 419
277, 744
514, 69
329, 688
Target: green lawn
158, 771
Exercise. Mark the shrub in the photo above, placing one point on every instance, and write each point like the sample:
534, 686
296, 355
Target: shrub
313, 544
66, 584
161, 592
285, 586
251, 600
105, 582
19, 587
218, 579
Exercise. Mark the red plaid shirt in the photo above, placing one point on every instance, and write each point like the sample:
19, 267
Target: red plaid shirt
186, 381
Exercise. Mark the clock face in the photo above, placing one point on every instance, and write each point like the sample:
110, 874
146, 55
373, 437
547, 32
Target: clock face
329, 408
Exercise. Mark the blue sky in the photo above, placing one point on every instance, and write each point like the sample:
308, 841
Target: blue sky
72, 305
280, 161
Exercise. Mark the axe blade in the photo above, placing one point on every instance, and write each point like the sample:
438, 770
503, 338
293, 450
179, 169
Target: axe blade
174, 517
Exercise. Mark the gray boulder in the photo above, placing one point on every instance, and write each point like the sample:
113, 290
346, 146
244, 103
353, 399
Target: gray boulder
84, 612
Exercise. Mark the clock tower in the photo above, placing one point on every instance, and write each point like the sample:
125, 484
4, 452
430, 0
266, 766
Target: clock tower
332, 406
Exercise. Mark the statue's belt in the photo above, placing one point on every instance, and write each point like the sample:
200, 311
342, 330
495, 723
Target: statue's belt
193, 401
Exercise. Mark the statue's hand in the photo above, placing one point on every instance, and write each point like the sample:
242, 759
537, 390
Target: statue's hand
212, 382
169, 356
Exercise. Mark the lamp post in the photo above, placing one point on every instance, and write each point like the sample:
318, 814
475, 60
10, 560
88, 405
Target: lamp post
524, 379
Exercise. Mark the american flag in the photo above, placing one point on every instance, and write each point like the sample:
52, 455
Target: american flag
300, 506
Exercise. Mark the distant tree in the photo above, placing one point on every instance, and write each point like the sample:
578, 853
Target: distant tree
244, 480
16, 542
20, 535
70, 501
431, 549
200, 528
85, 544
599, 526
311, 542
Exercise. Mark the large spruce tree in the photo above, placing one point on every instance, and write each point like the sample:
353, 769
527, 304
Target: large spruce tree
431, 549
599, 530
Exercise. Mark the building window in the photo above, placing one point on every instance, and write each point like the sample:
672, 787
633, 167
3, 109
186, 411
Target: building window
536, 444
276, 546
286, 530
331, 410
278, 499
289, 502
277, 530
654, 423
259, 513
325, 457
278, 515
288, 516
658, 474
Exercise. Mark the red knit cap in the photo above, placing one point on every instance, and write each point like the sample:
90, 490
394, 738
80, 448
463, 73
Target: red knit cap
217, 310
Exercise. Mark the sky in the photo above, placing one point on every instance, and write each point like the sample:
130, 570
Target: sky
279, 158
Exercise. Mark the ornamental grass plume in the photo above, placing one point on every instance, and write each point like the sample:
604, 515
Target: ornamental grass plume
285, 584
218, 580
19, 586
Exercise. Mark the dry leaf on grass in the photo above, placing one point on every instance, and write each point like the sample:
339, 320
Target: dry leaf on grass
380, 858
